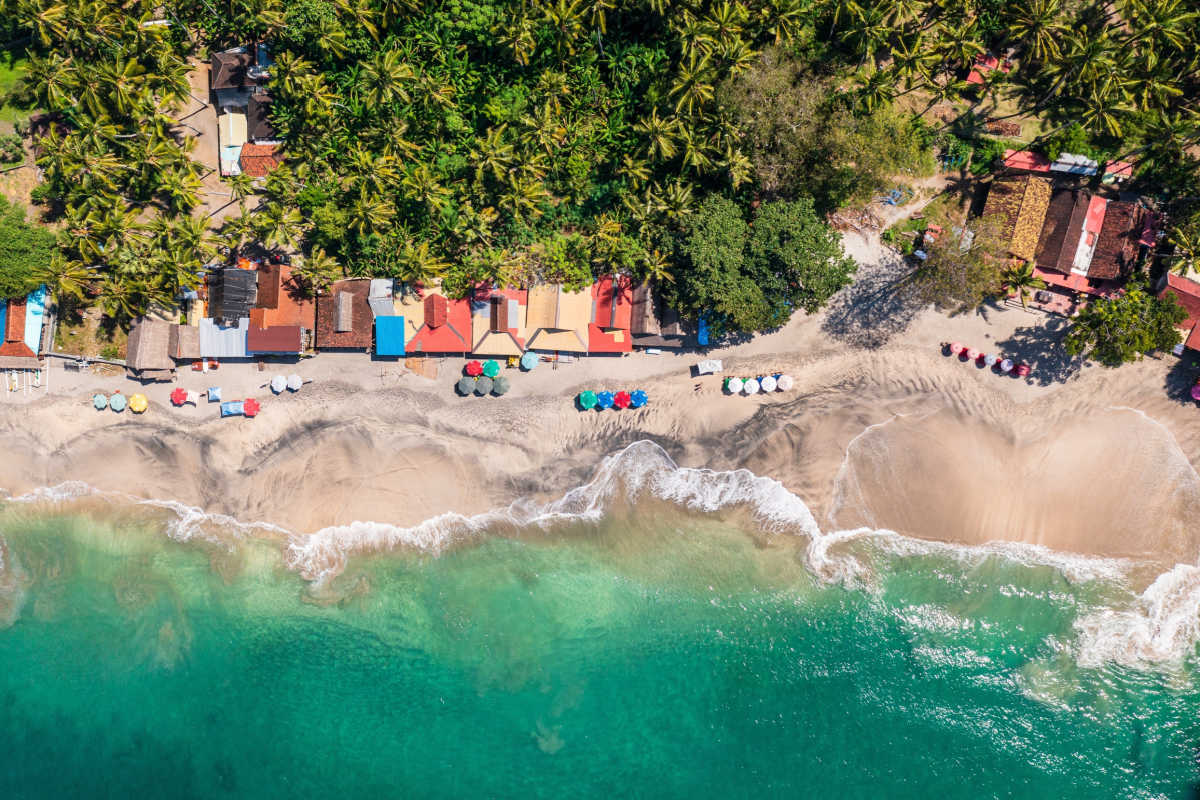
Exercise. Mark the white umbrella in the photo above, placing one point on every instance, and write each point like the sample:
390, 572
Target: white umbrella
734, 385
1006, 365
278, 384
785, 383
750, 385
991, 360
768, 383
294, 382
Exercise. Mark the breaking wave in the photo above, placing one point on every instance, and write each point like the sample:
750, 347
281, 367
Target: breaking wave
1159, 627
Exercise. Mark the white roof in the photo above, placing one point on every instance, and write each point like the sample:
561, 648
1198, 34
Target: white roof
233, 129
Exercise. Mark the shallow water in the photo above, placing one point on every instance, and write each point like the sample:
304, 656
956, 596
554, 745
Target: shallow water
651, 650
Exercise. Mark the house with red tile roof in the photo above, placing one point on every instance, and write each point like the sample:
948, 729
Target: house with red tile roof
446, 327
257, 160
14, 352
612, 315
985, 64
1187, 293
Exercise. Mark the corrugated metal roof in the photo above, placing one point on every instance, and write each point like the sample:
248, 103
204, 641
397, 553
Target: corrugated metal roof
343, 315
220, 341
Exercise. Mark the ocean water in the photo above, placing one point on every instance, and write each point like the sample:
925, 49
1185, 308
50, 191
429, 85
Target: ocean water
660, 633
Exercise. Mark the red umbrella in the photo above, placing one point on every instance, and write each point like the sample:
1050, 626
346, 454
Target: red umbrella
956, 348
1022, 370
621, 399
474, 369
1196, 392
251, 407
179, 396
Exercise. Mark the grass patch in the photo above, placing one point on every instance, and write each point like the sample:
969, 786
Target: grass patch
12, 67
89, 334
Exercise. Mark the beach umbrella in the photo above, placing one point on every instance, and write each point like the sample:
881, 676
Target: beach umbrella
621, 399
734, 385
1006, 365
251, 407
483, 386
491, 368
474, 369
117, 402
99, 402
587, 400
604, 399
956, 348
278, 384
637, 398
768, 383
294, 382
991, 360
179, 396
750, 386
466, 385
785, 383
1196, 392
972, 354
1022, 370
529, 360
138, 404
499, 385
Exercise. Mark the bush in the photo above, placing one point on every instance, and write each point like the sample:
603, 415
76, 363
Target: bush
11, 151
987, 152
1073, 139
110, 351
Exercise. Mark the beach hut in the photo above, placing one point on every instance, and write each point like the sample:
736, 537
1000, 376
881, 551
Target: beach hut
604, 399
637, 398
483, 386
734, 385
117, 402
499, 385
587, 400
250, 407
768, 383
214, 394
529, 360
491, 368
99, 401
294, 382
785, 383
466, 385
138, 404
621, 399
474, 369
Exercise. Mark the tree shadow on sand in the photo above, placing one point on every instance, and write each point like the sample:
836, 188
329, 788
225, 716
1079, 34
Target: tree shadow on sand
1041, 347
880, 304
1181, 377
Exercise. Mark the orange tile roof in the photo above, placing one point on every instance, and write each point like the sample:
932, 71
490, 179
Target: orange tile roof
259, 159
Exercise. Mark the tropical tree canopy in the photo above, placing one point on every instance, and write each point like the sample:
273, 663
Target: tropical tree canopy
1116, 330
24, 249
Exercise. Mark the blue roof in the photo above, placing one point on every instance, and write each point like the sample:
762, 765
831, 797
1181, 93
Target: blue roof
389, 336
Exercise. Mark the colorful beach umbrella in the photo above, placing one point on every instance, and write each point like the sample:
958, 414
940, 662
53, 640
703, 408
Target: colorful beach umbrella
785, 383
587, 400
474, 369
466, 385
956, 348
768, 383
138, 404
604, 399
750, 386
179, 396
483, 386
529, 360
991, 360
117, 402
621, 399
499, 385
491, 368
734, 385
1196, 392
972, 354
1006, 365
99, 401
278, 384
1023, 370
250, 407
294, 382
637, 398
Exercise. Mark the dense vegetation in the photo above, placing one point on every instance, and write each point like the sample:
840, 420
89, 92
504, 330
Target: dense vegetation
1114, 331
514, 140
24, 251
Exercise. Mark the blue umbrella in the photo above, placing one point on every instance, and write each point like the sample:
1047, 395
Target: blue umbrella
529, 360
117, 402
99, 402
604, 399
637, 398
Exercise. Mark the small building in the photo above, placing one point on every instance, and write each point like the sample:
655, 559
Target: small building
232, 292
257, 160
148, 351
380, 297
274, 340
1063, 229
612, 313
1187, 292
223, 341
389, 336
1019, 205
1117, 245
258, 119
283, 317
1026, 160
446, 327
21, 321
498, 320
558, 319
651, 323
985, 64
344, 318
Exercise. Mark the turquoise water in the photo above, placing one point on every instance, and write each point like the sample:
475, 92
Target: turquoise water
655, 654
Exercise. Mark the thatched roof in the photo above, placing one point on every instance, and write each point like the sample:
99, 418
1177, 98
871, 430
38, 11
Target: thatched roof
149, 345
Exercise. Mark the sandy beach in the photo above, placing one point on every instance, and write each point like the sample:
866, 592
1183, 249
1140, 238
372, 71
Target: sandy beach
883, 429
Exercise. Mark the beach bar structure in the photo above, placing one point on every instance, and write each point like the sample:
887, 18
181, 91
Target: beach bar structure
652, 324
558, 319
344, 318
498, 322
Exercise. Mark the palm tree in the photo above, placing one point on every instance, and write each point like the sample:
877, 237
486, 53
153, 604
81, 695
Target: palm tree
1038, 25
317, 270
385, 78
693, 86
419, 265
279, 226
1021, 280
66, 277
659, 134
369, 214
241, 186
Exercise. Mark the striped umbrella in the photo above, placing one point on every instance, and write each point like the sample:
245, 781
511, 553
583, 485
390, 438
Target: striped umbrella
604, 399
587, 400
491, 368
637, 398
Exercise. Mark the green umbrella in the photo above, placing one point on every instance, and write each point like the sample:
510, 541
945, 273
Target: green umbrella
483, 386
499, 386
491, 368
587, 400
466, 385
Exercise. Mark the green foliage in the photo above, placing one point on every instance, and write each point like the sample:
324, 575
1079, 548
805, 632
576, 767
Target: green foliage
24, 250
959, 274
988, 151
1072, 139
752, 277
110, 351
11, 151
1123, 328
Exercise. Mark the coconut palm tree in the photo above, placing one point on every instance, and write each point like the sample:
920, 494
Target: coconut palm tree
386, 78
1020, 279
317, 270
